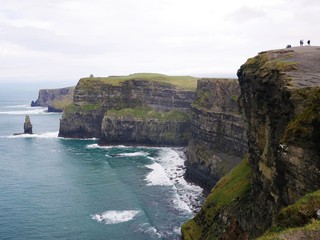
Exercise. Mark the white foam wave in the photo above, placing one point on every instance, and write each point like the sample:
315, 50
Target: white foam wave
39, 135
150, 230
169, 167
96, 145
17, 106
115, 217
28, 111
133, 154
158, 176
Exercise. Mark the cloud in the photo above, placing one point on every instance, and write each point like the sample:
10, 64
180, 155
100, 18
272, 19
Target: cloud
65, 39
245, 13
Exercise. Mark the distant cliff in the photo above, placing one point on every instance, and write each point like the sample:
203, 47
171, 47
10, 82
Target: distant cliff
218, 137
54, 99
147, 109
280, 99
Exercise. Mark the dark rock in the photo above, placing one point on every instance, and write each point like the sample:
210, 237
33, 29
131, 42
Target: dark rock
218, 138
27, 125
52, 109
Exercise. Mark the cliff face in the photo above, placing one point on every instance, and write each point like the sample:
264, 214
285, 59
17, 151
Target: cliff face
94, 97
218, 136
280, 99
145, 130
55, 99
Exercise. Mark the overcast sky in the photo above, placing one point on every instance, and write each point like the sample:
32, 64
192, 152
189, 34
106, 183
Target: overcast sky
64, 40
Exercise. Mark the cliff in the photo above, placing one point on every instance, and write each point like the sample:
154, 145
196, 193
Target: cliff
104, 107
218, 137
280, 100
54, 99
145, 126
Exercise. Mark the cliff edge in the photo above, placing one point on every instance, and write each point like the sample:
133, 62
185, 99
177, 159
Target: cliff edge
55, 99
280, 101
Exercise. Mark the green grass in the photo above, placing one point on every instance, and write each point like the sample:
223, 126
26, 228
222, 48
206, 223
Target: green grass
300, 216
299, 213
232, 187
183, 82
304, 232
63, 103
147, 113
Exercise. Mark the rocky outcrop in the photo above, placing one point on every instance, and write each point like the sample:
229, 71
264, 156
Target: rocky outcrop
218, 137
55, 99
27, 126
280, 99
93, 97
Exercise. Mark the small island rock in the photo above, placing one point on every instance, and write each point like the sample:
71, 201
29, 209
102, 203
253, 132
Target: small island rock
27, 125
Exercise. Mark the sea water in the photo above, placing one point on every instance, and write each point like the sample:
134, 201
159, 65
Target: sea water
56, 188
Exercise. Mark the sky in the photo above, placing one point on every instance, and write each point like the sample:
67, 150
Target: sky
61, 41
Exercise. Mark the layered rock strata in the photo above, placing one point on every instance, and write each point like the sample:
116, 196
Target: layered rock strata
280, 99
95, 97
218, 137
144, 131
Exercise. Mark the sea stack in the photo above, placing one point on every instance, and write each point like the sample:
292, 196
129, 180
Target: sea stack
27, 125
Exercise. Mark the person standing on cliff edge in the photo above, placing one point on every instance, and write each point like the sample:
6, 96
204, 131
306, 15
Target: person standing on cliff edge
309, 42
301, 42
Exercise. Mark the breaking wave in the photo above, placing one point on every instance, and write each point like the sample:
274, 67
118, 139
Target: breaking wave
38, 135
115, 217
96, 145
158, 176
24, 110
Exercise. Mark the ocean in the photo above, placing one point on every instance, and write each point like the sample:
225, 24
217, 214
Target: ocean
56, 188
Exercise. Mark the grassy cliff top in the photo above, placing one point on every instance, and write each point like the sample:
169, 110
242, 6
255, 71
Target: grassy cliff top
184, 82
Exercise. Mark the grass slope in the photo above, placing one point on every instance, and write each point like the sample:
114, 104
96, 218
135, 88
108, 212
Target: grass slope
184, 82
297, 221
226, 192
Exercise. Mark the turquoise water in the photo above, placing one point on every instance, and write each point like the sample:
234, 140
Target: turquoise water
55, 188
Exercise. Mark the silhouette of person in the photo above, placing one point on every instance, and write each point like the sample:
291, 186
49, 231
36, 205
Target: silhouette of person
301, 42
308, 42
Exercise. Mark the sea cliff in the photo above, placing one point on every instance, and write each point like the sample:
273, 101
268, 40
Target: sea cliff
55, 99
218, 137
275, 186
149, 109
160, 110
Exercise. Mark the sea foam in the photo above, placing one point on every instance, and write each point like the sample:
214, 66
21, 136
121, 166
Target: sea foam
115, 217
158, 176
36, 135
96, 145
25, 110
133, 154
169, 170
